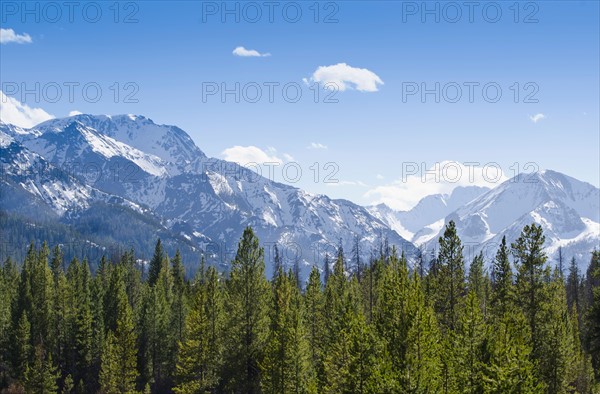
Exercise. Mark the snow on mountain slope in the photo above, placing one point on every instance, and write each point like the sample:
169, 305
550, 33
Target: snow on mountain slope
160, 168
76, 141
429, 210
567, 209
26, 171
169, 143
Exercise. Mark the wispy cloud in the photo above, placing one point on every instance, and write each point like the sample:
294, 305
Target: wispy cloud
243, 52
244, 155
347, 183
73, 113
537, 117
14, 112
345, 77
8, 35
316, 145
443, 177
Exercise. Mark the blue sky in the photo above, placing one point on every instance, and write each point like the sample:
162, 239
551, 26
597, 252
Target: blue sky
375, 131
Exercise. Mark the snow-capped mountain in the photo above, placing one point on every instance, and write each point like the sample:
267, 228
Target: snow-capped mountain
424, 218
567, 209
90, 169
205, 200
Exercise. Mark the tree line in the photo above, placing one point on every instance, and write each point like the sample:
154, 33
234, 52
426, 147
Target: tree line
379, 327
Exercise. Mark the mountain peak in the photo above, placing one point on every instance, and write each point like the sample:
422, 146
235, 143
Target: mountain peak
169, 143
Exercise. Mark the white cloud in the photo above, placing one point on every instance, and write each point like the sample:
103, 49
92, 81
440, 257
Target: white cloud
243, 52
347, 183
379, 176
244, 155
73, 113
537, 117
9, 35
288, 157
403, 194
14, 112
345, 77
316, 145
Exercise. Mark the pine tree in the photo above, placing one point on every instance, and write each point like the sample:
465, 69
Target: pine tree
573, 286
476, 280
9, 279
530, 260
557, 353
179, 287
21, 346
422, 360
356, 362
315, 316
156, 263
162, 339
198, 364
510, 369
286, 367
593, 314
469, 347
326, 269
502, 278
60, 310
356, 257
277, 261
391, 312
450, 278
118, 373
246, 309
41, 376
80, 322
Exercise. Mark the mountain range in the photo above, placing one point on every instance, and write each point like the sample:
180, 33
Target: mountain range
104, 182
78, 170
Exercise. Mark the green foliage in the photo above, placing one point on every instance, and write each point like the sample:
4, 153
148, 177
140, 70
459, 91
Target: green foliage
398, 329
247, 319
41, 376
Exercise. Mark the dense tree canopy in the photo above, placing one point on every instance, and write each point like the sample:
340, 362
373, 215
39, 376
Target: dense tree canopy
509, 325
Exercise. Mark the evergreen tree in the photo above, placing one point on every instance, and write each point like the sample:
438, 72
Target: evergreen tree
286, 367
510, 369
118, 373
557, 355
179, 287
198, 365
356, 362
391, 312
469, 347
502, 279
156, 263
326, 269
476, 280
573, 286
531, 260
593, 315
450, 280
41, 376
246, 309
422, 360
21, 346
315, 316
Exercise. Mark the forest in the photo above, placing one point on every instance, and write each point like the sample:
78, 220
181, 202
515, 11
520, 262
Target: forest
510, 325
